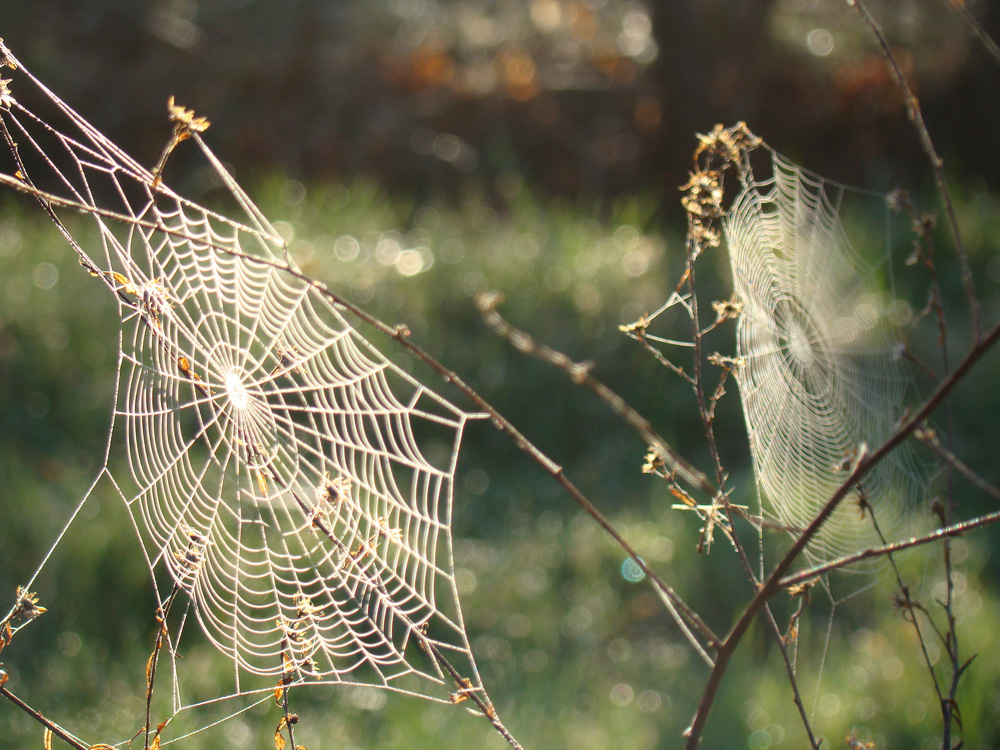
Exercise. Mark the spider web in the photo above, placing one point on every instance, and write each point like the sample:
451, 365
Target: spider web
819, 360
293, 482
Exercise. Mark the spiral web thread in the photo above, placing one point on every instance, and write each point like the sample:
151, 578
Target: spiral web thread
293, 482
819, 367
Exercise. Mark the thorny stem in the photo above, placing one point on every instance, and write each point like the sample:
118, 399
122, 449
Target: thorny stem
937, 165
772, 584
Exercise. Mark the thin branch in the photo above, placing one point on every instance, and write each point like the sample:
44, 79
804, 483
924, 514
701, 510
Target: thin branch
579, 372
57, 730
911, 606
929, 437
792, 679
289, 719
937, 165
975, 28
772, 584
154, 659
872, 553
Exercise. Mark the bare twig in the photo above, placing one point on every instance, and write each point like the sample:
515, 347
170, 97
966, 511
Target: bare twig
937, 165
161, 633
929, 436
974, 27
907, 604
580, 374
57, 730
289, 719
875, 552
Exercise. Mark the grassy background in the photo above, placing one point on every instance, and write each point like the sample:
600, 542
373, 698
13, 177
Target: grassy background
573, 653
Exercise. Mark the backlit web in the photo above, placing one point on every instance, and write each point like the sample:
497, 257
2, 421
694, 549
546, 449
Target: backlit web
294, 483
819, 359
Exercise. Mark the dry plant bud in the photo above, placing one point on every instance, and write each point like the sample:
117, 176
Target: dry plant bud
704, 194
27, 607
801, 589
853, 743
729, 309
6, 98
727, 144
705, 236
638, 327
654, 463
186, 118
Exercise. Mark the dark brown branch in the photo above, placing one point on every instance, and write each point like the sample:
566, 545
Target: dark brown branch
870, 554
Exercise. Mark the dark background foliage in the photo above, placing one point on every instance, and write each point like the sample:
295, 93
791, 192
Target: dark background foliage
580, 98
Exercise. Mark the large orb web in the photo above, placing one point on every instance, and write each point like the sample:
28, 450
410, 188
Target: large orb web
292, 480
819, 369
291, 486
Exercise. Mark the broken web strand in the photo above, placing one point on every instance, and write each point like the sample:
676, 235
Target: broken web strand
173, 334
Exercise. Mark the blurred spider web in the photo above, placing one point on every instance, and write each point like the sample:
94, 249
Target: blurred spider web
819, 353
294, 483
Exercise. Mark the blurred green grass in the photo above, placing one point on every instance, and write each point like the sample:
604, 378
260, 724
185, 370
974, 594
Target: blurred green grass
573, 653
